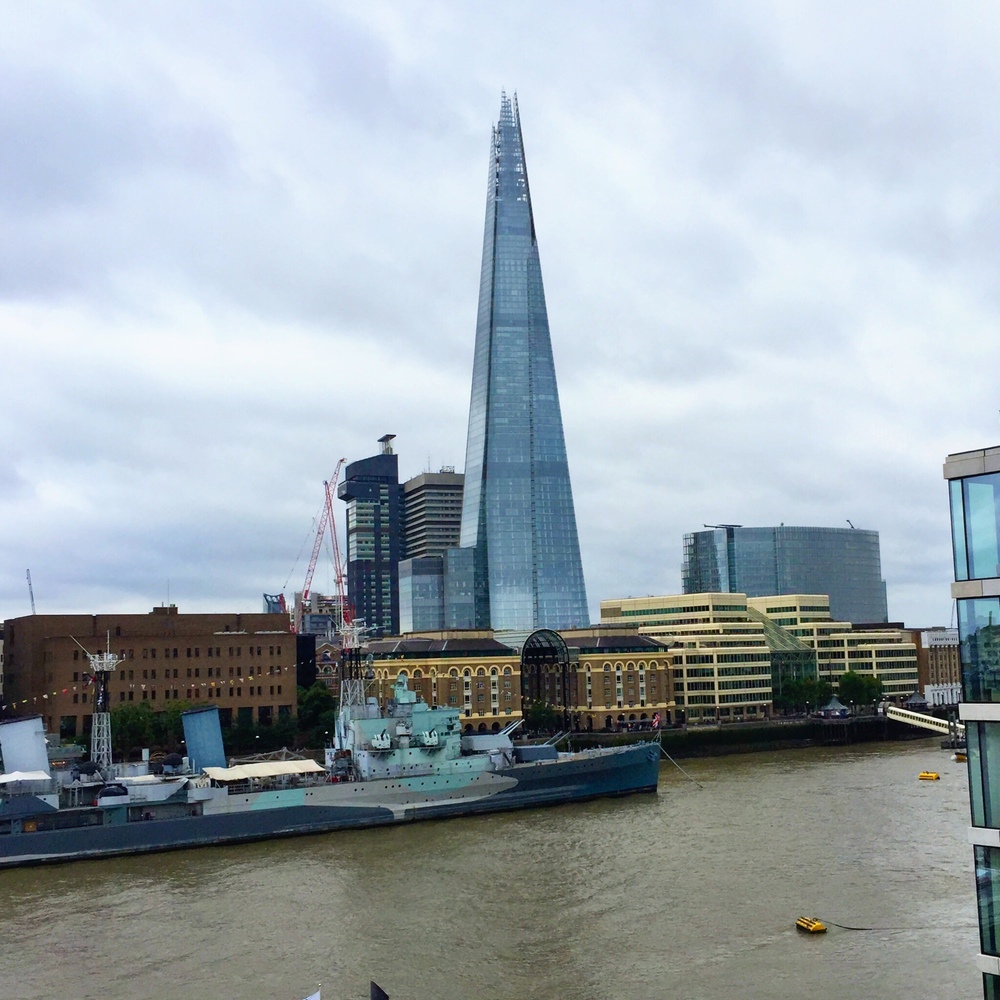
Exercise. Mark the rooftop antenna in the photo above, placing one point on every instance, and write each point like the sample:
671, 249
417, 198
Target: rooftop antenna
31, 593
848, 520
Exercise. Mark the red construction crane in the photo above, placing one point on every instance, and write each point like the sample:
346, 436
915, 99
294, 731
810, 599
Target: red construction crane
346, 614
326, 518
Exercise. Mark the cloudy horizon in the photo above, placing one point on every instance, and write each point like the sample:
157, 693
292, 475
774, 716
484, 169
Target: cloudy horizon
243, 241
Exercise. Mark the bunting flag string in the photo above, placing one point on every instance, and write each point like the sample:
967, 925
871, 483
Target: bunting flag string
87, 680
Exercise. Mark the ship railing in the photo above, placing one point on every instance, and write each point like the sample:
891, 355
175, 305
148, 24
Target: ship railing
280, 783
34, 786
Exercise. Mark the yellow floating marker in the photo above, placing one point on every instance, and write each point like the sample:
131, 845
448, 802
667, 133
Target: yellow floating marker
810, 925
929, 776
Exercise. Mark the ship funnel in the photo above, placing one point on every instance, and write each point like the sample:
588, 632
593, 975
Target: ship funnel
203, 737
22, 745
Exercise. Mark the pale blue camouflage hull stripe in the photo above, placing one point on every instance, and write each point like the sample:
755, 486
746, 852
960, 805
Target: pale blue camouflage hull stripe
522, 787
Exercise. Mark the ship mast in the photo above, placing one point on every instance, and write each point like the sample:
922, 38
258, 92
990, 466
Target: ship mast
356, 674
102, 664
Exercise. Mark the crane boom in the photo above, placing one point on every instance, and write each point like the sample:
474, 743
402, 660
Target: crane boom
317, 545
338, 564
326, 518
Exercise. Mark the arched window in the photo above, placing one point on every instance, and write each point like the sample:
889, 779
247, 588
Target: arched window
480, 672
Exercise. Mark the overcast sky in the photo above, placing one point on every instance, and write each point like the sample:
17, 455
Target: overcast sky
239, 241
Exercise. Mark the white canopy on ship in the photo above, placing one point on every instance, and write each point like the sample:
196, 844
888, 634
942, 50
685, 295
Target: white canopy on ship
24, 776
270, 769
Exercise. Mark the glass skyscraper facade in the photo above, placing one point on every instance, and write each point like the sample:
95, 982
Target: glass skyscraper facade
974, 486
517, 515
844, 563
374, 538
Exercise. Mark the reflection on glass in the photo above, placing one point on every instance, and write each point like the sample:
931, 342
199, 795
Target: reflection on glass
517, 512
984, 773
975, 519
979, 635
988, 895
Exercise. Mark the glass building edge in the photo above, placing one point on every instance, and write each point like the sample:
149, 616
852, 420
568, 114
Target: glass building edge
975, 530
759, 561
518, 511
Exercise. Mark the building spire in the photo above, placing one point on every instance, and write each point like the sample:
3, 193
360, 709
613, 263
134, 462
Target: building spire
518, 513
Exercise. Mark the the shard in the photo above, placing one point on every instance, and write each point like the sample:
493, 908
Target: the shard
517, 516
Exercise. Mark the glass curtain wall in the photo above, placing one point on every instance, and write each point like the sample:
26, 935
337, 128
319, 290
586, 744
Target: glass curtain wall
518, 510
975, 520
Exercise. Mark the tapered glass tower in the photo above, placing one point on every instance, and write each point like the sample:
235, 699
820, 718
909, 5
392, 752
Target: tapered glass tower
517, 514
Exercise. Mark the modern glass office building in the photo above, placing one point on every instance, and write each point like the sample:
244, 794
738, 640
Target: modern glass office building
974, 487
517, 513
374, 537
844, 563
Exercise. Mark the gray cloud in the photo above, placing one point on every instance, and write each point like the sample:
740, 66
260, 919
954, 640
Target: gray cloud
243, 241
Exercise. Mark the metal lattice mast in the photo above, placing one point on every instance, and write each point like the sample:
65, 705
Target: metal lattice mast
100, 735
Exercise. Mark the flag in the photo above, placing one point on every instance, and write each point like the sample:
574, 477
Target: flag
377, 993
656, 720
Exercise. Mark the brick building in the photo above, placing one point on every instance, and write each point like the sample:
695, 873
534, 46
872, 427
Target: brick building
242, 663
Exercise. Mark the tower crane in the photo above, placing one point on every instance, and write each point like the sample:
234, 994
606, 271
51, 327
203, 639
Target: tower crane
326, 519
344, 609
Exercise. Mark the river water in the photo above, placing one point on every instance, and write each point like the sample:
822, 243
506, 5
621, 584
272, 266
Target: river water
688, 895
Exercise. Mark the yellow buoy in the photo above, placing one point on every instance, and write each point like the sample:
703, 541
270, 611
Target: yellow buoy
929, 776
810, 925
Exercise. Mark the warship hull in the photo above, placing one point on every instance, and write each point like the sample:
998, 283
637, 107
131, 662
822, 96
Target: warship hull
199, 816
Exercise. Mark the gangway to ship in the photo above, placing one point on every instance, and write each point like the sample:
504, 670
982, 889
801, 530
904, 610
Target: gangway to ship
949, 728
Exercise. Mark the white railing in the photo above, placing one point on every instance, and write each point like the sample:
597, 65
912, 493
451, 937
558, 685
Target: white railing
926, 721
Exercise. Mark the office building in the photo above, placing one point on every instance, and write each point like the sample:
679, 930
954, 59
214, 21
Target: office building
885, 653
844, 563
421, 594
432, 513
244, 664
523, 567
432, 521
733, 655
974, 491
939, 665
720, 658
374, 537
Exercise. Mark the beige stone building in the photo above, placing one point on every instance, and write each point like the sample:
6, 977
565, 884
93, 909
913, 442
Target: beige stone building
882, 652
595, 678
720, 658
729, 652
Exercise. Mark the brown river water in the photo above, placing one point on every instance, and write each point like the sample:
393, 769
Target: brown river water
691, 893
